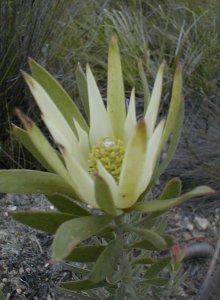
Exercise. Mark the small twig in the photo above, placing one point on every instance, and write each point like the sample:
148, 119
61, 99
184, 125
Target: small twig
213, 262
39, 245
199, 250
208, 282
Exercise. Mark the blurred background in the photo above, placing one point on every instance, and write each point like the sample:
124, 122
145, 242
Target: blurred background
59, 34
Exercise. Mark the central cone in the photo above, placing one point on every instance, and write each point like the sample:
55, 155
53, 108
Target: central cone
110, 152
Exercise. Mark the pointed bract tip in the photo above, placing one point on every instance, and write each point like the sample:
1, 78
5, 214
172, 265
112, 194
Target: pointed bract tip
96, 175
114, 37
27, 122
88, 68
142, 128
210, 191
162, 66
30, 60
79, 67
23, 73
28, 78
141, 123
179, 68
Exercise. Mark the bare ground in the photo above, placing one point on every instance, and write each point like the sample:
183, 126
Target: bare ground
25, 267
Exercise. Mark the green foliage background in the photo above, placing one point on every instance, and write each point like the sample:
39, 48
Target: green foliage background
59, 34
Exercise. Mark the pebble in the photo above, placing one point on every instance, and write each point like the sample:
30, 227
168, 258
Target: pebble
2, 285
187, 236
12, 207
197, 234
3, 233
188, 224
202, 223
19, 291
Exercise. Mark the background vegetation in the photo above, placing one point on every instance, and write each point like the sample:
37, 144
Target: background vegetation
59, 34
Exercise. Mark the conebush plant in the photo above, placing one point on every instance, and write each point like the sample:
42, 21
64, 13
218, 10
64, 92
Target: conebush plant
99, 178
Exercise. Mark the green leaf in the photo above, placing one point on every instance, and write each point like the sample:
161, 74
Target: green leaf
45, 221
143, 244
162, 205
172, 189
64, 204
58, 95
161, 226
85, 254
77, 295
169, 239
108, 232
1, 295
107, 261
157, 267
43, 147
156, 239
151, 236
35, 182
73, 232
115, 90
144, 260
147, 245
104, 196
24, 138
144, 85
81, 285
79, 270
83, 89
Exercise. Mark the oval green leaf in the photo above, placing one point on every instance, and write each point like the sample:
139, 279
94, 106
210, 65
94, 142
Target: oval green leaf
162, 205
45, 221
81, 285
73, 232
33, 182
107, 261
65, 204
172, 189
85, 254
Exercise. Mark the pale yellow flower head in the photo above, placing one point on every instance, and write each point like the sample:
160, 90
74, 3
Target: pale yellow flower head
113, 151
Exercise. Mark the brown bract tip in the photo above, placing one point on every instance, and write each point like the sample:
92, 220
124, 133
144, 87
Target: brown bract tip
96, 174
52, 261
114, 37
30, 60
142, 124
27, 122
211, 191
179, 67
